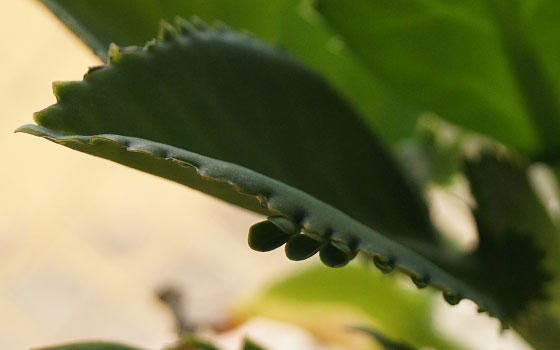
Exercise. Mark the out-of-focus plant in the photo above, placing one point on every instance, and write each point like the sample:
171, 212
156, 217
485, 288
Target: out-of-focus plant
301, 122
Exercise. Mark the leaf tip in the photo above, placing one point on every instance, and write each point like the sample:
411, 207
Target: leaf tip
26, 129
36, 130
47, 117
61, 89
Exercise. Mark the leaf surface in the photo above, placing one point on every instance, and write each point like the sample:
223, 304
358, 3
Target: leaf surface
233, 98
355, 295
488, 65
291, 24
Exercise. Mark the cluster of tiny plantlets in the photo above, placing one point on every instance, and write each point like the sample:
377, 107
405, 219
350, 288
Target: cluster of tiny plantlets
334, 252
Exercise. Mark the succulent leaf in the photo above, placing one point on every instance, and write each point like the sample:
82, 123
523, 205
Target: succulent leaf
150, 105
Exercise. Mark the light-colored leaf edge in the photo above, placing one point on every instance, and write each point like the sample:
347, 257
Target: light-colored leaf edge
277, 199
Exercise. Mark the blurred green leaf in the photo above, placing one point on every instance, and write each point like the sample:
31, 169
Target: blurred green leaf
251, 345
505, 199
519, 245
134, 22
316, 298
192, 342
488, 65
388, 344
434, 153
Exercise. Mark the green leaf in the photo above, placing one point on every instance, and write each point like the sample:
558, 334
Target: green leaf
519, 245
90, 346
291, 24
387, 343
319, 299
512, 220
434, 153
251, 345
505, 199
488, 65
232, 98
133, 22
192, 342
257, 192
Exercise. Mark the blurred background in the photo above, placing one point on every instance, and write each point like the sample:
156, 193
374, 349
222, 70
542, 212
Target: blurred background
85, 244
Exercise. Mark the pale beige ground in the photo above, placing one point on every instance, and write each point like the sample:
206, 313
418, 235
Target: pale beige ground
84, 242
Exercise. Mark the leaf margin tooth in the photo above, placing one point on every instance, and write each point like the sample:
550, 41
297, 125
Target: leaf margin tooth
167, 32
115, 54
199, 24
183, 26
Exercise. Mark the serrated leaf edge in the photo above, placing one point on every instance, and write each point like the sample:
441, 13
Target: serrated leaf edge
303, 210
